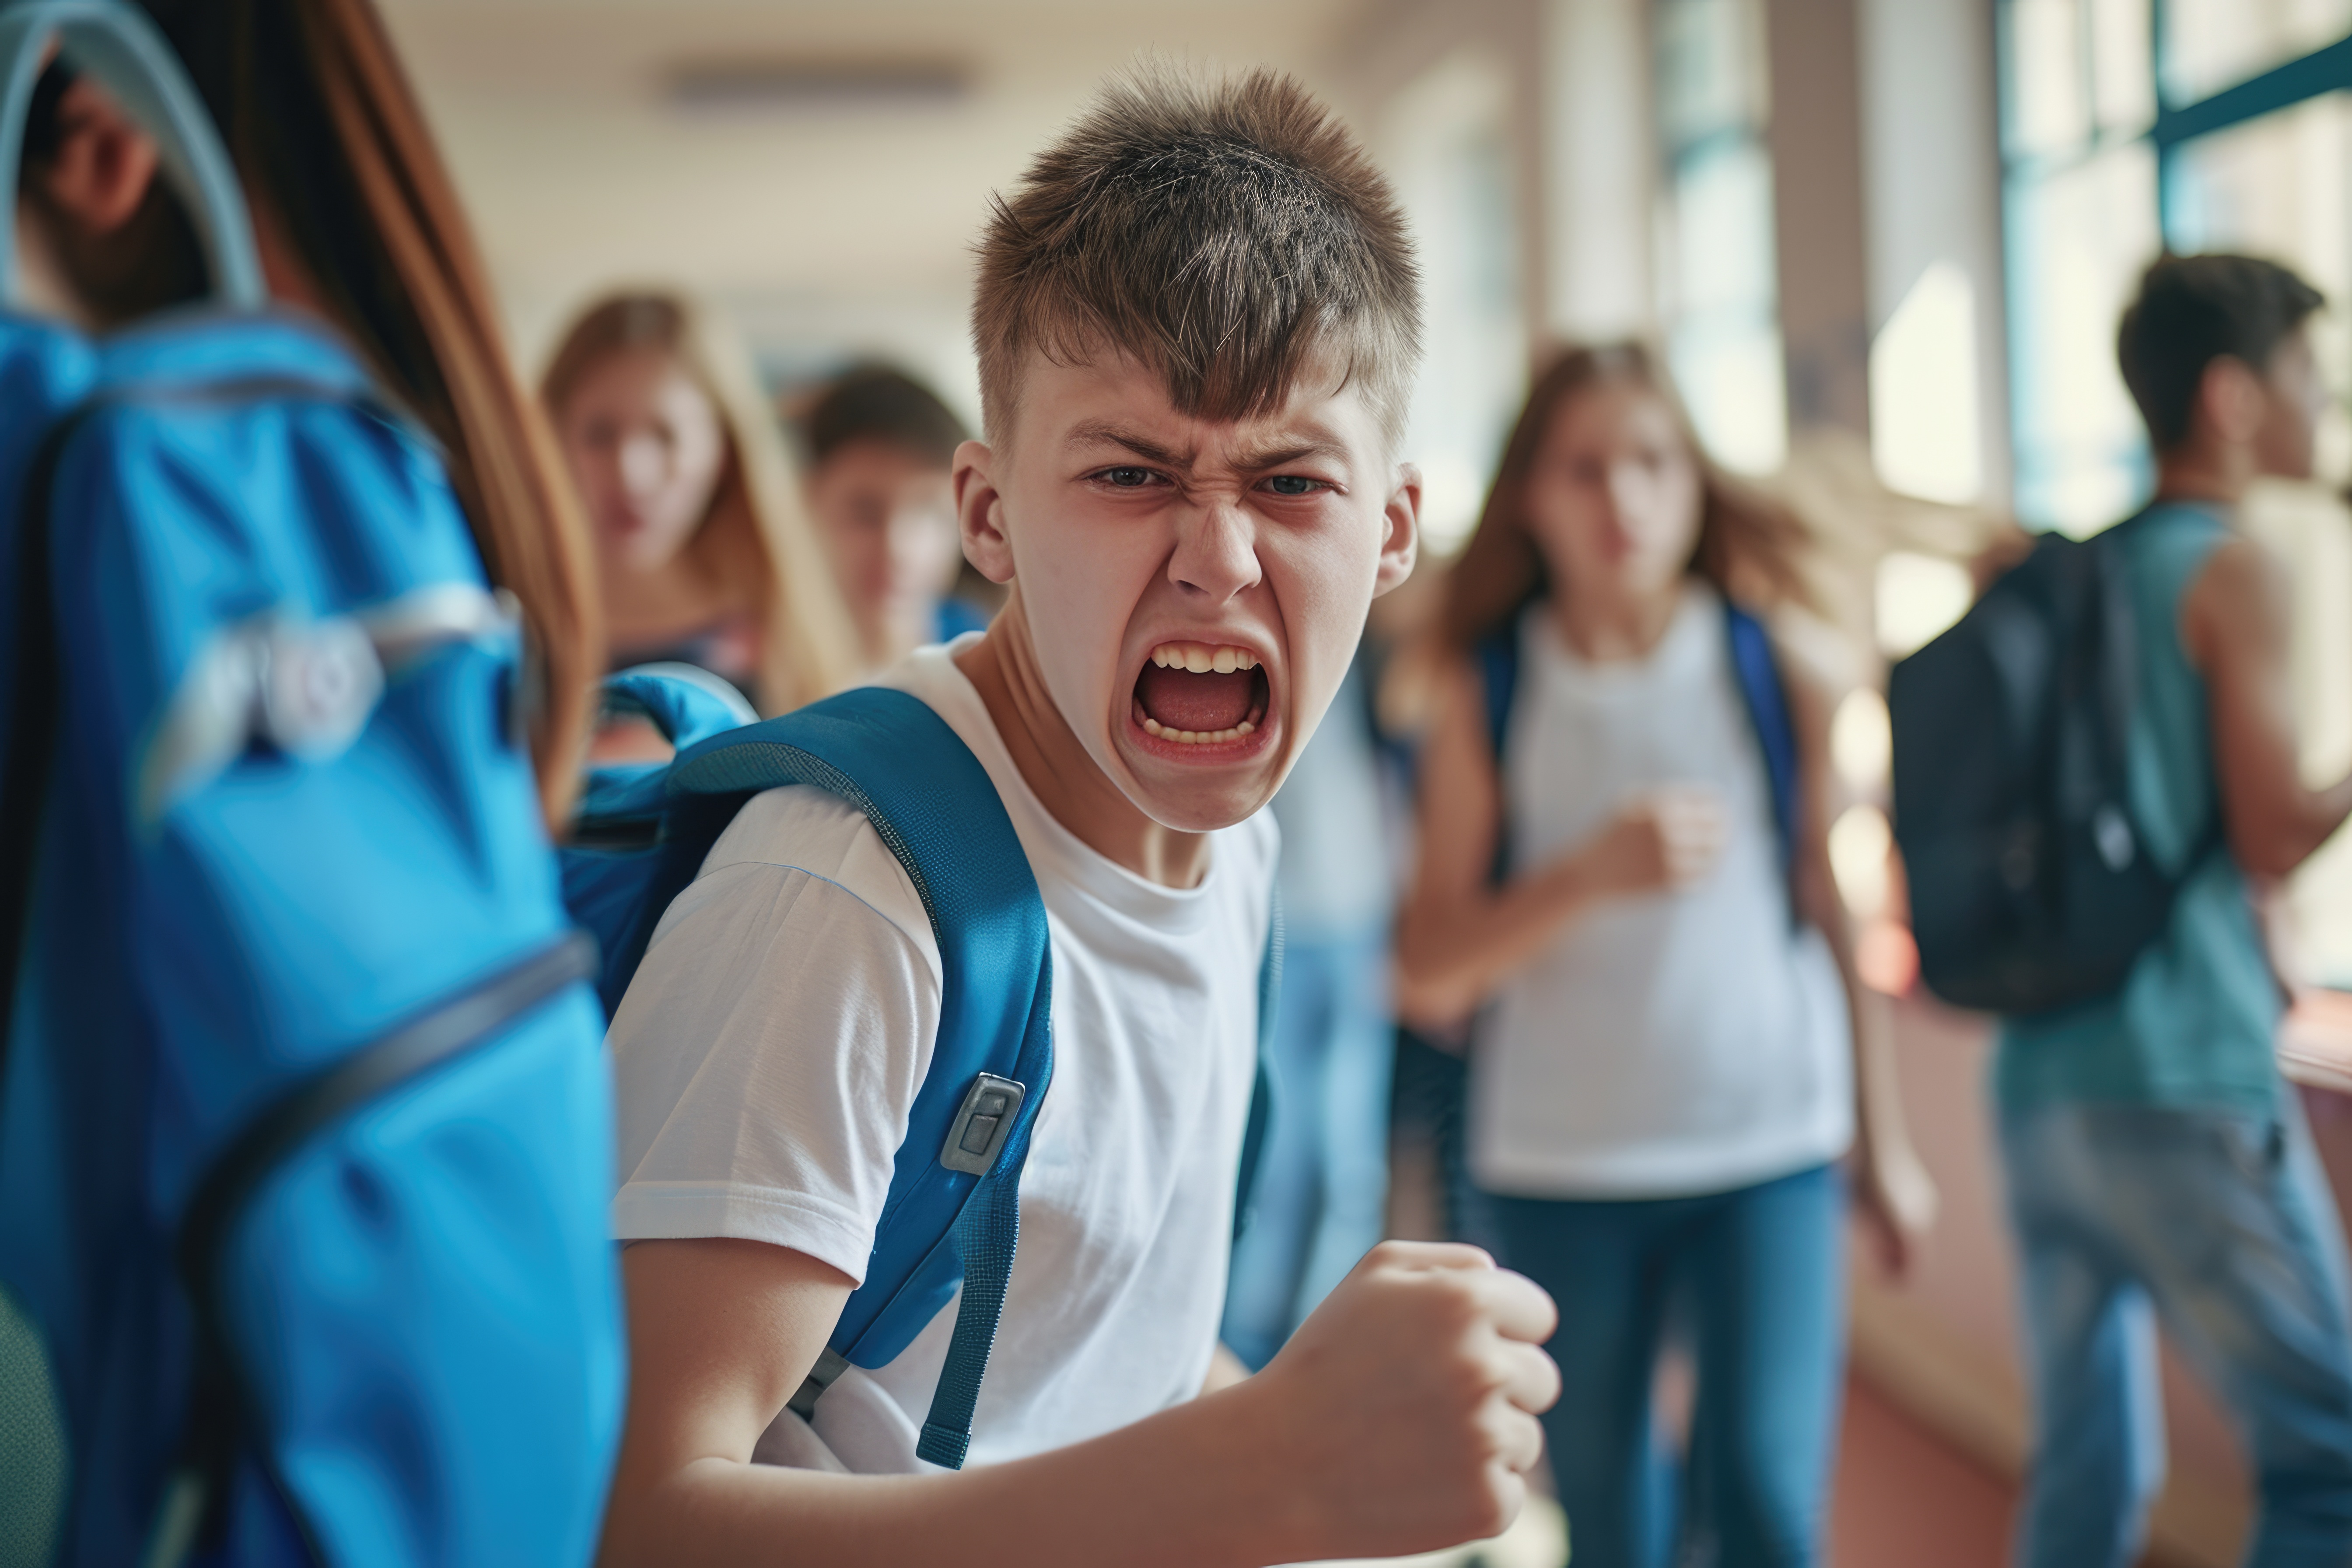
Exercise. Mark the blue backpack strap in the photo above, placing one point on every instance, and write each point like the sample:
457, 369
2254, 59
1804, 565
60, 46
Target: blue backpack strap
1261, 1093
621, 804
1758, 671
952, 1215
686, 702
1498, 655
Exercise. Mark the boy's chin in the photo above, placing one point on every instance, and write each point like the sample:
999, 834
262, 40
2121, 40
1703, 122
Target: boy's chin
1197, 786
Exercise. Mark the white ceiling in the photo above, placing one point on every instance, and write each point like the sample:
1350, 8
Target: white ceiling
843, 225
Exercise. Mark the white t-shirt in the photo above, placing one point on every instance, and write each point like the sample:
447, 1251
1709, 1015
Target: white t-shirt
1674, 1043
769, 1049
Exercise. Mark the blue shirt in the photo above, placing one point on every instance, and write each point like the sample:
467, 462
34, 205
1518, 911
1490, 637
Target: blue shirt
2196, 1022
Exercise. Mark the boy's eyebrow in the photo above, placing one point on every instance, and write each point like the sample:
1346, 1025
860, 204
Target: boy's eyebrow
1271, 453
1276, 451
1103, 433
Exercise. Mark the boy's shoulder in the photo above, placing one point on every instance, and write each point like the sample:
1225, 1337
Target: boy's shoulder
803, 829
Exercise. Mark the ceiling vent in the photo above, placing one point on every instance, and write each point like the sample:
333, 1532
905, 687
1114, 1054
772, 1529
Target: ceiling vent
820, 86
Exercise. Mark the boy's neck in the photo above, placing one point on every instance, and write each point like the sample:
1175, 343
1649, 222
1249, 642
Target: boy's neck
1059, 770
2214, 473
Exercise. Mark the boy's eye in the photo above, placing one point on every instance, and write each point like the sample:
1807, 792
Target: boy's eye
1294, 485
1126, 478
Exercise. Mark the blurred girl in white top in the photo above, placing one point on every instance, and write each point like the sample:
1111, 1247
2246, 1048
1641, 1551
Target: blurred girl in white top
1664, 1061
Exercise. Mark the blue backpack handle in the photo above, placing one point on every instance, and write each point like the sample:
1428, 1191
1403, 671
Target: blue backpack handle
687, 703
118, 44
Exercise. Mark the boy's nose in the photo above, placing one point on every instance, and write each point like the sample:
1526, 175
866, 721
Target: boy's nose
1216, 550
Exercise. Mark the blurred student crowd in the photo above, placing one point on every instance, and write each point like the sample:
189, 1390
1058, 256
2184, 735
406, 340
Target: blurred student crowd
1557, 901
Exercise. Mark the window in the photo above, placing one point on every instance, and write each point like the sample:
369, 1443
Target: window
1717, 286
1446, 143
2201, 123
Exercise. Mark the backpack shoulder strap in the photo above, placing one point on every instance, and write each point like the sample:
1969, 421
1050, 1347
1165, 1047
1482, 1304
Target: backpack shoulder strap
1761, 691
953, 1211
1498, 657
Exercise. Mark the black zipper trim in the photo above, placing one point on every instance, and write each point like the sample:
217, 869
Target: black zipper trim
449, 1029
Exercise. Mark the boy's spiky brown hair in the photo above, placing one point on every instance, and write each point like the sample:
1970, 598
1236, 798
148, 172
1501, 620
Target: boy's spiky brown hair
1229, 234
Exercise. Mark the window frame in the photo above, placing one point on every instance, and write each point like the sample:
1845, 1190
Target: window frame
2174, 126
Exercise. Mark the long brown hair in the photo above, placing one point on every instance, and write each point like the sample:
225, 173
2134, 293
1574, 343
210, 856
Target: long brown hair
756, 532
1747, 543
318, 115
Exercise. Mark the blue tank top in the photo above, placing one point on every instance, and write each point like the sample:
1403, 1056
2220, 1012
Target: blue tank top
2196, 1022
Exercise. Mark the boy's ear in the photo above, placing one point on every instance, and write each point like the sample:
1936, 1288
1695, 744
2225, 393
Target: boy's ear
103, 165
1401, 544
2233, 401
979, 512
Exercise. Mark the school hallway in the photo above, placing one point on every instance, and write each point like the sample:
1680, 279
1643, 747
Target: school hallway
1577, 579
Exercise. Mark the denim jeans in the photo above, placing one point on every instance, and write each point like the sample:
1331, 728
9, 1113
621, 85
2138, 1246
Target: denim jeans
1754, 1279
2219, 1223
1323, 1176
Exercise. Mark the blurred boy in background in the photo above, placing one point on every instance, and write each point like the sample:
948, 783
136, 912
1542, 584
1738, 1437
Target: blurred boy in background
2157, 1162
881, 446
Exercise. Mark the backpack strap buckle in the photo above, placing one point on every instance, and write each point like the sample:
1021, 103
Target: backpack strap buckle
982, 1124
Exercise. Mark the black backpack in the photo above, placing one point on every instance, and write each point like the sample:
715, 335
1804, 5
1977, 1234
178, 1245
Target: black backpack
2031, 887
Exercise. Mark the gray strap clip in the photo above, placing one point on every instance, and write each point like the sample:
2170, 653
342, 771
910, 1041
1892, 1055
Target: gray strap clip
982, 1124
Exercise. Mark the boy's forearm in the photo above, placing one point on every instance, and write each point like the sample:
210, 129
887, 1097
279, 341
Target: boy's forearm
1878, 1097
1194, 1487
1880, 1126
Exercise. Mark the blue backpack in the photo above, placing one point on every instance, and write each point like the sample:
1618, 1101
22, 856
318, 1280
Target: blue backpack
952, 1214
304, 1128
1756, 672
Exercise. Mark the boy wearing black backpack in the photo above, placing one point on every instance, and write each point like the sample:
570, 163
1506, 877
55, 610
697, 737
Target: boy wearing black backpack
2157, 1163
1197, 320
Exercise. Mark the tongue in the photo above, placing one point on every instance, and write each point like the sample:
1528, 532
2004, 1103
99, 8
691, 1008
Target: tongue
1182, 701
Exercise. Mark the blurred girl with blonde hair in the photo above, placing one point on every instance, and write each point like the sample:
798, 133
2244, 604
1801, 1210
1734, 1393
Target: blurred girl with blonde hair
706, 557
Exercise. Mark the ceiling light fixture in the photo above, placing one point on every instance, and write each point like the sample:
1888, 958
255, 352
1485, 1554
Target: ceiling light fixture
790, 86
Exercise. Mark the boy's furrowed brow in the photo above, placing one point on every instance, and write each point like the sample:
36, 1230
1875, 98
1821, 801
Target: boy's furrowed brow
1276, 450
1102, 432
1250, 456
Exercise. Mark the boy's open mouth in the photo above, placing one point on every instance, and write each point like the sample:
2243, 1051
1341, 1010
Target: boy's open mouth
1201, 694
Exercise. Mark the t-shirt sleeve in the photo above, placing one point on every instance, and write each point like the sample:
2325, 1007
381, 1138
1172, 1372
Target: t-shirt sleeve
768, 1052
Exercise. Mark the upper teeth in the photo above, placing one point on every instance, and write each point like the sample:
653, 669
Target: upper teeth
1201, 659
